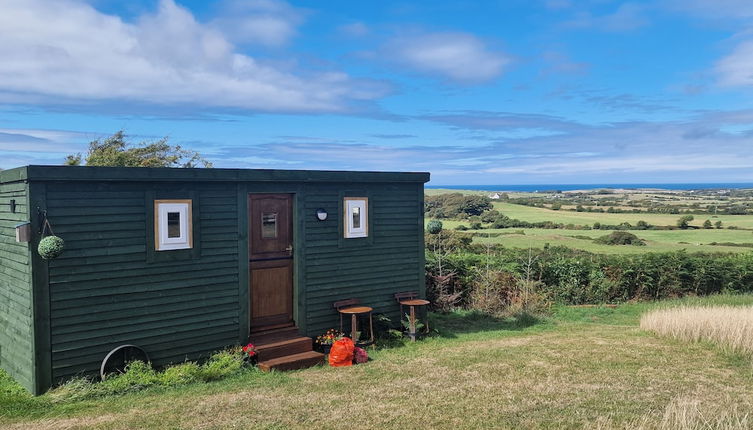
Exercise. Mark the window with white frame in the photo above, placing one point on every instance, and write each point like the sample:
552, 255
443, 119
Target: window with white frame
356, 217
173, 227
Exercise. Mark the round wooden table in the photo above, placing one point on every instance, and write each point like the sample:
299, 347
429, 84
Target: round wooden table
354, 312
412, 303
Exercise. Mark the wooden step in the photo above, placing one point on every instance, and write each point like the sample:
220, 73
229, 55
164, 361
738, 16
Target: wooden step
292, 362
281, 348
274, 335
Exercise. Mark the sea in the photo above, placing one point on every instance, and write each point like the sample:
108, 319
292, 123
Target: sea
532, 188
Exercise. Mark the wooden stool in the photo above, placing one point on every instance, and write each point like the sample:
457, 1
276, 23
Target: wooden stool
410, 299
352, 307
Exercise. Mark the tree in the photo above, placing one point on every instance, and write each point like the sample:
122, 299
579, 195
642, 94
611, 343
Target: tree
117, 152
684, 221
707, 224
620, 238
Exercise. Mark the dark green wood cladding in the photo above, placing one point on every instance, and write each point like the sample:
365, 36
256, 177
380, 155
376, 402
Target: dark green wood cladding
107, 289
110, 287
373, 269
16, 317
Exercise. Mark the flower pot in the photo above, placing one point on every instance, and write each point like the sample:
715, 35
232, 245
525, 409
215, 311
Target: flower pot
324, 349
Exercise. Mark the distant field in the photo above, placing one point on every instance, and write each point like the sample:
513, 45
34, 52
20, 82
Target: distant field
693, 240
656, 240
533, 214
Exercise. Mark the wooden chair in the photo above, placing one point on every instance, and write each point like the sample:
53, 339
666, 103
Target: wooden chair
410, 299
353, 308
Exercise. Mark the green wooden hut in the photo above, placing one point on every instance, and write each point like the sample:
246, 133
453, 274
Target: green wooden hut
182, 262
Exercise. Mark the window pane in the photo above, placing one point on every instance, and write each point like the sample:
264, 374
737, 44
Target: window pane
269, 225
356, 217
173, 224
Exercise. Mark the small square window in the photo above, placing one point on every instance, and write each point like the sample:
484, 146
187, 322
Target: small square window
269, 225
173, 225
356, 217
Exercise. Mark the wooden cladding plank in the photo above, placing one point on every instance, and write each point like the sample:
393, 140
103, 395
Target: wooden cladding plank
104, 304
141, 324
153, 308
126, 270
154, 279
16, 318
144, 287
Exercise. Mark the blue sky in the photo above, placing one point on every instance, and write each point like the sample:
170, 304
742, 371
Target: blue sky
488, 92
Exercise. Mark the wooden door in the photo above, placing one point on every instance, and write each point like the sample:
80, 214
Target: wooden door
270, 244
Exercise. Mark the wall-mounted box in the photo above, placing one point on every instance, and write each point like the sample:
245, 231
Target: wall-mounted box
23, 232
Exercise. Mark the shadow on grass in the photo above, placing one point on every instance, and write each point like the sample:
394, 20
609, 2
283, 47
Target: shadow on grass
451, 324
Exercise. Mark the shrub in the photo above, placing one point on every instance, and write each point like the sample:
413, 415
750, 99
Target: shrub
620, 238
221, 364
453, 205
684, 221
139, 376
461, 227
448, 241
577, 277
434, 226
181, 374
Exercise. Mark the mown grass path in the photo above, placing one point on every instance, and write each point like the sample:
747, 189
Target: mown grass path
584, 367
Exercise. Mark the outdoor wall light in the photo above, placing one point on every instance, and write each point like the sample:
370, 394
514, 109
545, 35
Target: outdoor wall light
321, 214
12, 206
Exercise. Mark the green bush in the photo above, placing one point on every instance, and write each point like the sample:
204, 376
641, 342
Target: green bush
221, 364
139, 376
620, 238
577, 277
434, 226
181, 374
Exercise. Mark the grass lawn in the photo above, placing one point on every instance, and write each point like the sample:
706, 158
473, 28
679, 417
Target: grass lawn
583, 367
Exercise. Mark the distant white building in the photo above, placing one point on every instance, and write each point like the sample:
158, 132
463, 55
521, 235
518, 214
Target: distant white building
494, 196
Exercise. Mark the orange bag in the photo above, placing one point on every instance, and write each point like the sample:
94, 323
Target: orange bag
341, 354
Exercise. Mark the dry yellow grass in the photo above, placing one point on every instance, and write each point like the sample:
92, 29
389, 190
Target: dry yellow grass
731, 327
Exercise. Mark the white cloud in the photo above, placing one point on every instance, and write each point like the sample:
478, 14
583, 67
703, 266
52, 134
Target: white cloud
736, 69
628, 16
558, 4
459, 57
714, 9
64, 51
355, 29
263, 22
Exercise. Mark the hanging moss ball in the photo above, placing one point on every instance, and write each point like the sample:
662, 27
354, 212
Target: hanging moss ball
51, 247
434, 226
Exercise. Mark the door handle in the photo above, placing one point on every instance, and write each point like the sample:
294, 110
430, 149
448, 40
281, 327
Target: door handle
289, 249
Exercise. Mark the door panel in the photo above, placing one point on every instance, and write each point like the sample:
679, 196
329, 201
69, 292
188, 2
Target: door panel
271, 227
270, 260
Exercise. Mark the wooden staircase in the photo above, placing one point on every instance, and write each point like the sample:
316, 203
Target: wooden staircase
284, 349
